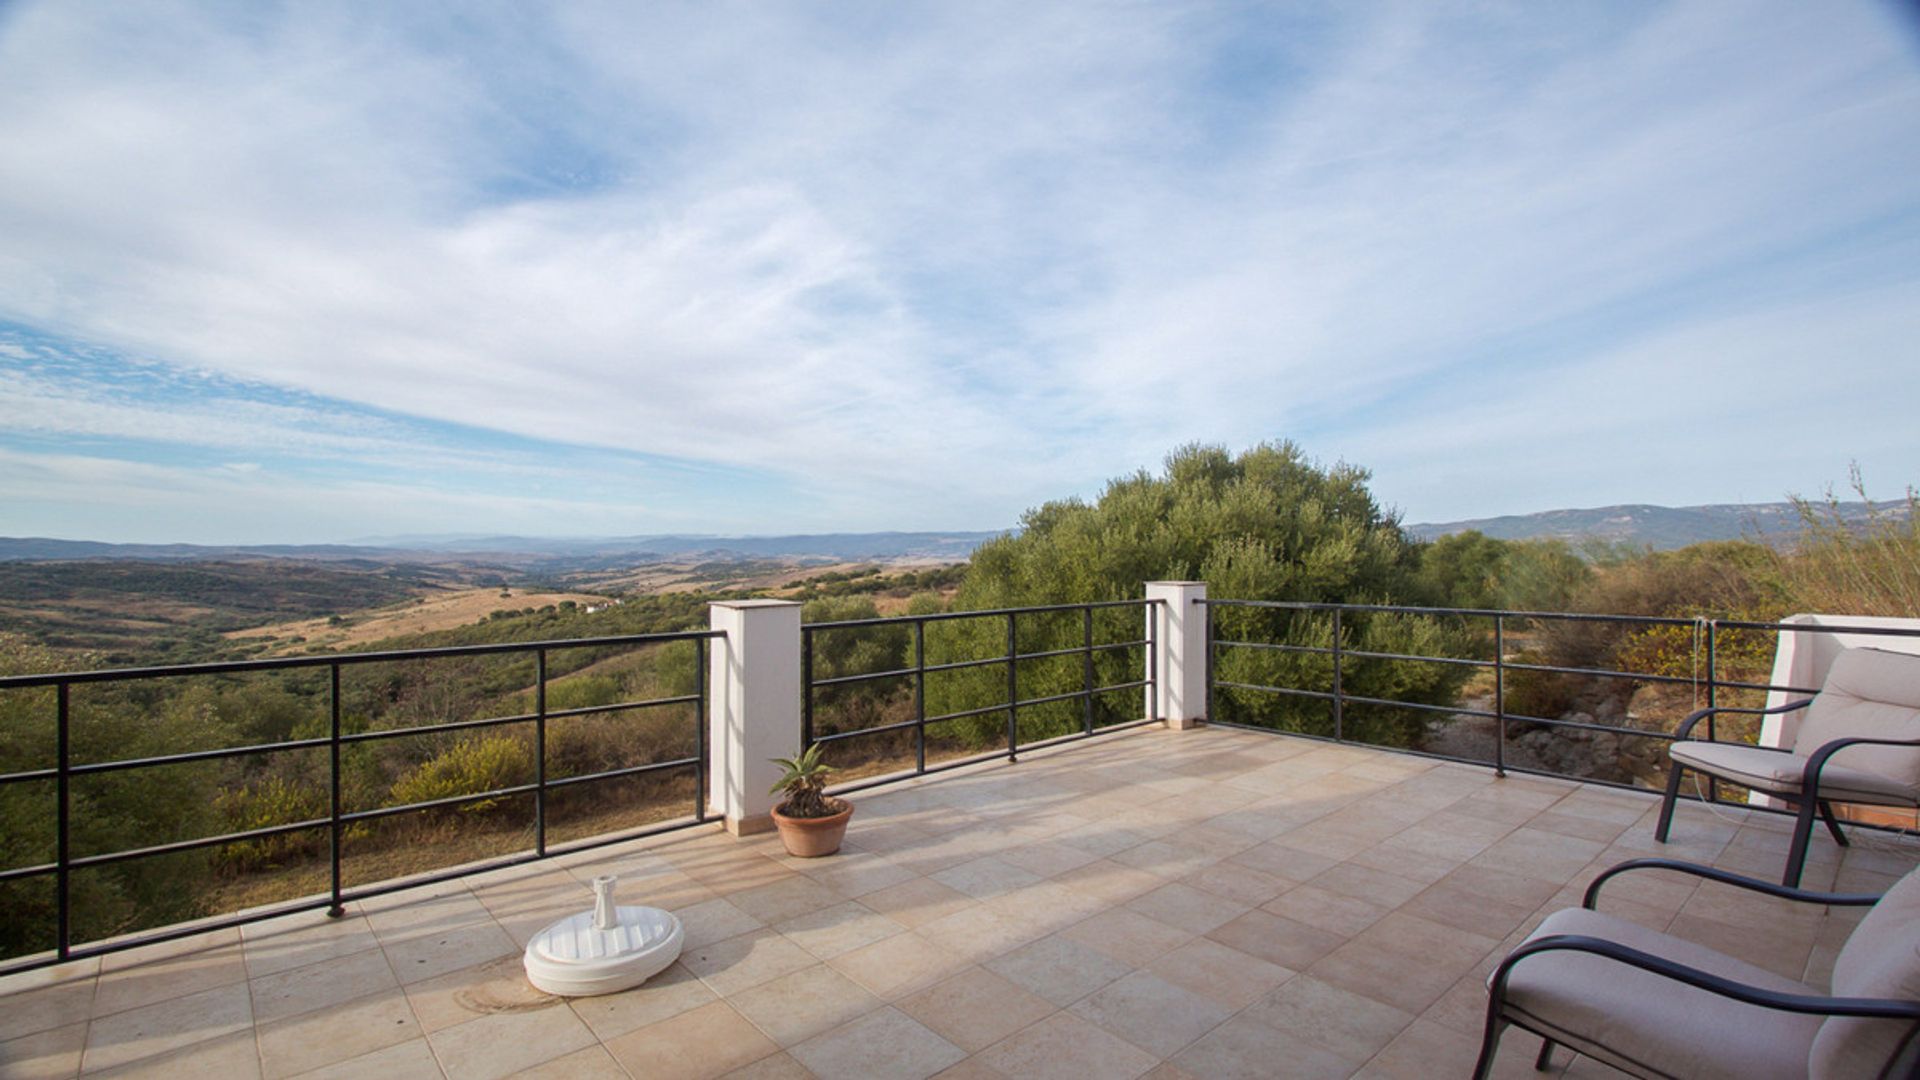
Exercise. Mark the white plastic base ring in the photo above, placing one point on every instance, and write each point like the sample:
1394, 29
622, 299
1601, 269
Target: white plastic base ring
573, 959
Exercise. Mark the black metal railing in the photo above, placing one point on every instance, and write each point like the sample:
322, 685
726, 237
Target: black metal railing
338, 820
907, 661
1708, 681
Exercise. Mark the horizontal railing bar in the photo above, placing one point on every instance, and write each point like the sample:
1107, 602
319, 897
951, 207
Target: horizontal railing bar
434, 804
956, 665
1565, 616
37, 870
879, 729
31, 774
622, 706
109, 858
908, 774
228, 667
865, 676
627, 770
316, 903
434, 729
193, 755
1323, 695
949, 616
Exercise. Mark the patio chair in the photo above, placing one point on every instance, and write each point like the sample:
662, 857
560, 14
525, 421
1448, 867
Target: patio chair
1654, 1005
1858, 743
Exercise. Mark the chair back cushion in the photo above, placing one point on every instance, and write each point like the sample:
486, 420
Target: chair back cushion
1881, 959
1874, 693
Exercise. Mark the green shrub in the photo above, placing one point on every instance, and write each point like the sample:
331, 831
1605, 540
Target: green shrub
469, 766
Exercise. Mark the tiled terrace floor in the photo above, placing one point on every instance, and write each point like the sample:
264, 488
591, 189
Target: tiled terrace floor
1167, 904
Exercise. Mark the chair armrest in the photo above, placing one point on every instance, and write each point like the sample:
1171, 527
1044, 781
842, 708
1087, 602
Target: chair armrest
1701, 714
1887, 1008
1818, 759
1714, 873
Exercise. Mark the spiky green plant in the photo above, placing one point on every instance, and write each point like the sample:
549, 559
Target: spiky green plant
805, 783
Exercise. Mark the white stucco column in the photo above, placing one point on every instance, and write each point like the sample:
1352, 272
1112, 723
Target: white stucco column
1178, 627
755, 707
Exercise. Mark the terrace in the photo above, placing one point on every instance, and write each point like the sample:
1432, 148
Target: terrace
1164, 899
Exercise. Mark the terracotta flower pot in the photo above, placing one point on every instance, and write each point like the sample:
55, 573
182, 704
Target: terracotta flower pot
810, 838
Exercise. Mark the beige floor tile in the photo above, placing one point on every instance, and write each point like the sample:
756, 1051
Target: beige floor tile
1539, 854
1449, 904
1212, 970
1378, 887
713, 920
885, 1044
317, 986
232, 1056
1059, 968
44, 1007
1426, 1049
482, 990
736, 964
1152, 1013
592, 1063
1047, 858
1243, 1049
1350, 1025
1067, 1047
781, 1066
1194, 910
790, 896
402, 915
427, 955
143, 976
1403, 961
410, 1060
854, 874
1128, 936
975, 1008
1109, 881
1407, 862
42, 1055
668, 994
978, 933
985, 878
505, 1043
305, 938
796, 1007
898, 965
1276, 939
1290, 864
711, 1040
1239, 883
155, 1029
327, 1037
1329, 911
830, 931
917, 902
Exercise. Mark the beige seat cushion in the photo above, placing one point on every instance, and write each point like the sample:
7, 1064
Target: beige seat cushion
1780, 773
1649, 1025
1874, 693
1881, 959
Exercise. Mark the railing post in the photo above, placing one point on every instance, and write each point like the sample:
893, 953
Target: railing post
1013, 690
920, 695
63, 876
1500, 695
701, 769
806, 687
1087, 637
1339, 719
540, 752
335, 908
755, 706
1178, 625
1713, 686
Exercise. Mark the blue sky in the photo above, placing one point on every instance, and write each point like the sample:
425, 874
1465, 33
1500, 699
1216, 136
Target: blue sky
319, 272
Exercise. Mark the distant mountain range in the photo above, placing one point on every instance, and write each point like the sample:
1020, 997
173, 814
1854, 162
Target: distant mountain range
1658, 527
523, 550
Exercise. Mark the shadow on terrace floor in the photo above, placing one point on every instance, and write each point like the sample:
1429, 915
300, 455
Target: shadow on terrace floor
1208, 903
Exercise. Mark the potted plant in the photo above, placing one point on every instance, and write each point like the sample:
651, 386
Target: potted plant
811, 822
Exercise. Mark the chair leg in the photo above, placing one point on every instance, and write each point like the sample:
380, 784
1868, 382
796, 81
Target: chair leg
1666, 804
1797, 852
1489, 1043
1833, 825
1545, 1060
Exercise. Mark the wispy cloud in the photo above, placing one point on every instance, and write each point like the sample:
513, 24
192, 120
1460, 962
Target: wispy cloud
930, 265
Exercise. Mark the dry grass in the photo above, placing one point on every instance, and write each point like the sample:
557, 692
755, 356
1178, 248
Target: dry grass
435, 611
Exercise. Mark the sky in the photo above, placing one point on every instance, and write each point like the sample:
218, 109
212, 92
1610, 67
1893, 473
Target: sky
323, 272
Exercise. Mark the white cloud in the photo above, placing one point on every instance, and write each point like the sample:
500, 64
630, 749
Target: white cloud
936, 261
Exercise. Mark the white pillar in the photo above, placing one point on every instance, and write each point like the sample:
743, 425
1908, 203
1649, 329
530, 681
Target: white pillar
755, 707
1178, 627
